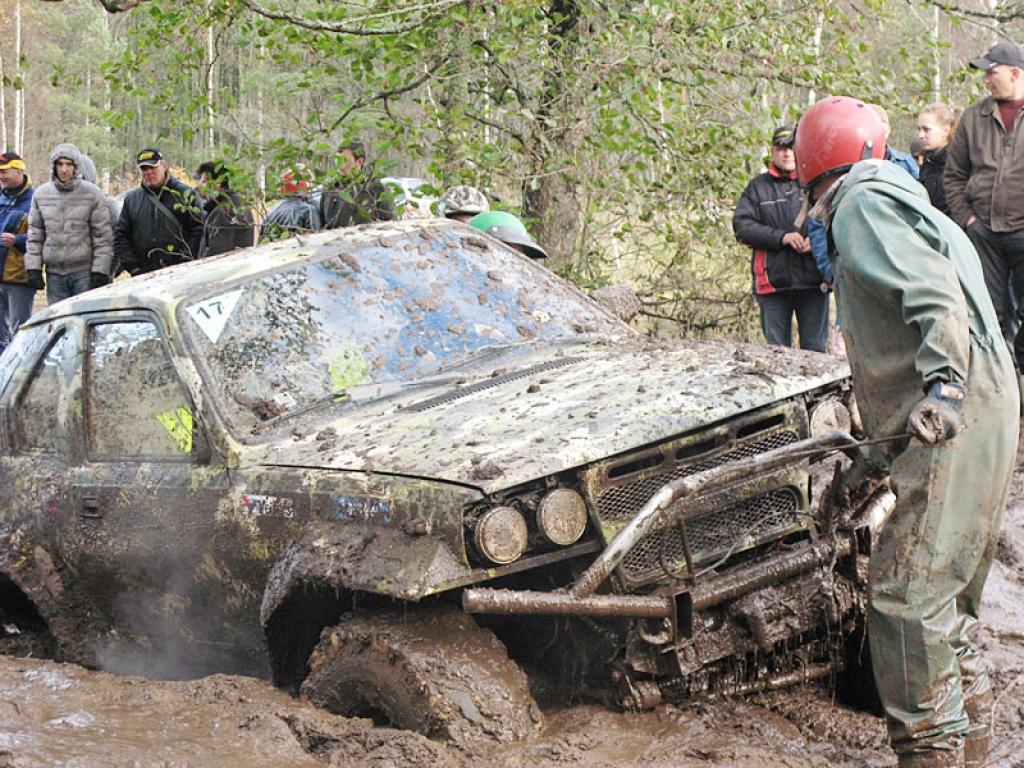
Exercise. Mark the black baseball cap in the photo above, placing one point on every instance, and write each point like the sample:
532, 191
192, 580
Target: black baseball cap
1001, 53
148, 157
783, 136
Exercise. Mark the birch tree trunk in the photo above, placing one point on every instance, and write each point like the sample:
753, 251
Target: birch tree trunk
19, 88
209, 88
936, 57
819, 24
261, 173
3, 106
88, 96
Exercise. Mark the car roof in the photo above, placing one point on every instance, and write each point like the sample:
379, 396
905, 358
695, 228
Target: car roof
163, 289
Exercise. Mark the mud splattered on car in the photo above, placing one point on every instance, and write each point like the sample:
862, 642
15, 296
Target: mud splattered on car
315, 459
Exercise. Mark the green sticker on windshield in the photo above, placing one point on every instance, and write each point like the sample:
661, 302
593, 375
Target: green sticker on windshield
178, 423
348, 369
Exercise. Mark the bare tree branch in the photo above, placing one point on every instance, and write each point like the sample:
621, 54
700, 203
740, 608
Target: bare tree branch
1002, 13
354, 26
391, 92
111, 6
351, 26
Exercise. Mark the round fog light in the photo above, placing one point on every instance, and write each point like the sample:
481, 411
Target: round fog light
501, 535
562, 516
829, 415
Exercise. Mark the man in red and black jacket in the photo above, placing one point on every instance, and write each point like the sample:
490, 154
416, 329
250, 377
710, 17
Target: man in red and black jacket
786, 279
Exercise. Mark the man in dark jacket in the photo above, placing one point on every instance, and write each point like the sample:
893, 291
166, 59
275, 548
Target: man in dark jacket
160, 221
984, 179
15, 295
786, 279
357, 196
227, 224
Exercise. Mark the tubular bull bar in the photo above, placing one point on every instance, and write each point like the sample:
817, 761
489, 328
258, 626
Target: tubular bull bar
580, 598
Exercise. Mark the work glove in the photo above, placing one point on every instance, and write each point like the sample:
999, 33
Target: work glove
98, 280
35, 279
939, 416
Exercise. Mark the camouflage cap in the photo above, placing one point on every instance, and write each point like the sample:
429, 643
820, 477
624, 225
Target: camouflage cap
463, 199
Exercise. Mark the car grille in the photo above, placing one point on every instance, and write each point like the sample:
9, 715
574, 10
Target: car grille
749, 512
623, 501
713, 534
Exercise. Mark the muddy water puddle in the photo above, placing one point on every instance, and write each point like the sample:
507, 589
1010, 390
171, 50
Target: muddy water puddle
62, 715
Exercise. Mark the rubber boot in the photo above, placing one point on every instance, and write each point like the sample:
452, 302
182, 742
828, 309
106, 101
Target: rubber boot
933, 758
978, 740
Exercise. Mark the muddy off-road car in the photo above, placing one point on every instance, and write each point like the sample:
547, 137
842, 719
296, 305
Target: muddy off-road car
369, 461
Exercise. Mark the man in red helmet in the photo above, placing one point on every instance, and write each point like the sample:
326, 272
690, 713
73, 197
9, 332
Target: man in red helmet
292, 214
928, 359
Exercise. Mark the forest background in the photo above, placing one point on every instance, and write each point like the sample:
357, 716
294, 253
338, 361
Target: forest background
622, 130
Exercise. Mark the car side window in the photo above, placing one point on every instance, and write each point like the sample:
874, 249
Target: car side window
39, 423
136, 407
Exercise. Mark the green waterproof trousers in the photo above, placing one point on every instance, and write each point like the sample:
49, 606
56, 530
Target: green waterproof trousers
915, 310
930, 560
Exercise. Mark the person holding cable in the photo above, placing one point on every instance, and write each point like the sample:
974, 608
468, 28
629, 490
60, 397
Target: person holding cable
930, 368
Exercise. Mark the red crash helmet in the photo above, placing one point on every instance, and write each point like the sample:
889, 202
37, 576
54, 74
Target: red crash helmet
833, 135
295, 180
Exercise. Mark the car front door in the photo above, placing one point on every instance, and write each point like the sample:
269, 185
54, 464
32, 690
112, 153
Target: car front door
147, 496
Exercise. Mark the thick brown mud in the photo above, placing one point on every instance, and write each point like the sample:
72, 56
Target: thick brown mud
63, 715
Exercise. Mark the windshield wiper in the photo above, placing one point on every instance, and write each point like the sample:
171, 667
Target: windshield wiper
360, 393
381, 389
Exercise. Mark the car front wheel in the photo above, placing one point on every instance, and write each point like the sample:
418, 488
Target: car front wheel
426, 669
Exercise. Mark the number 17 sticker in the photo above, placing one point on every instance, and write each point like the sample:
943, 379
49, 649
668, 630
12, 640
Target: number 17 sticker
212, 314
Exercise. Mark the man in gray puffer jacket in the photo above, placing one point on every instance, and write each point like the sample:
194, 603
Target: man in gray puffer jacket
69, 230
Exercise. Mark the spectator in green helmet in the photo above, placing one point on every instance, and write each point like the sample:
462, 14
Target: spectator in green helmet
507, 228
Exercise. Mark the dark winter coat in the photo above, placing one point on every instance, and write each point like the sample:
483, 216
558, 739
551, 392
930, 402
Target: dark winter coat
932, 171
145, 239
764, 215
227, 225
289, 216
355, 203
14, 208
985, 169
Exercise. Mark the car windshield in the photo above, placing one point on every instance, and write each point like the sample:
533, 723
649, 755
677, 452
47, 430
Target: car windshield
393, 308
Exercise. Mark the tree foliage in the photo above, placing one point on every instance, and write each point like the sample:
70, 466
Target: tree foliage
623, 130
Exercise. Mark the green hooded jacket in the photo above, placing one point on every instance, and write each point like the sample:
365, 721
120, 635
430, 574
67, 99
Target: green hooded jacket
919, 330
915, 310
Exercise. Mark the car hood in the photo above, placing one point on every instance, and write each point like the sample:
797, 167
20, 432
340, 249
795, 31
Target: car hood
555, 410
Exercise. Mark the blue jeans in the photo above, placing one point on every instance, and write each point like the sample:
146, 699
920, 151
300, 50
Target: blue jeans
810, 305
15, 308
65, 286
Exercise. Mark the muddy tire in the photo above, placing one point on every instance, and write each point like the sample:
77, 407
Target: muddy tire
856, 683
433, 671
22, 630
